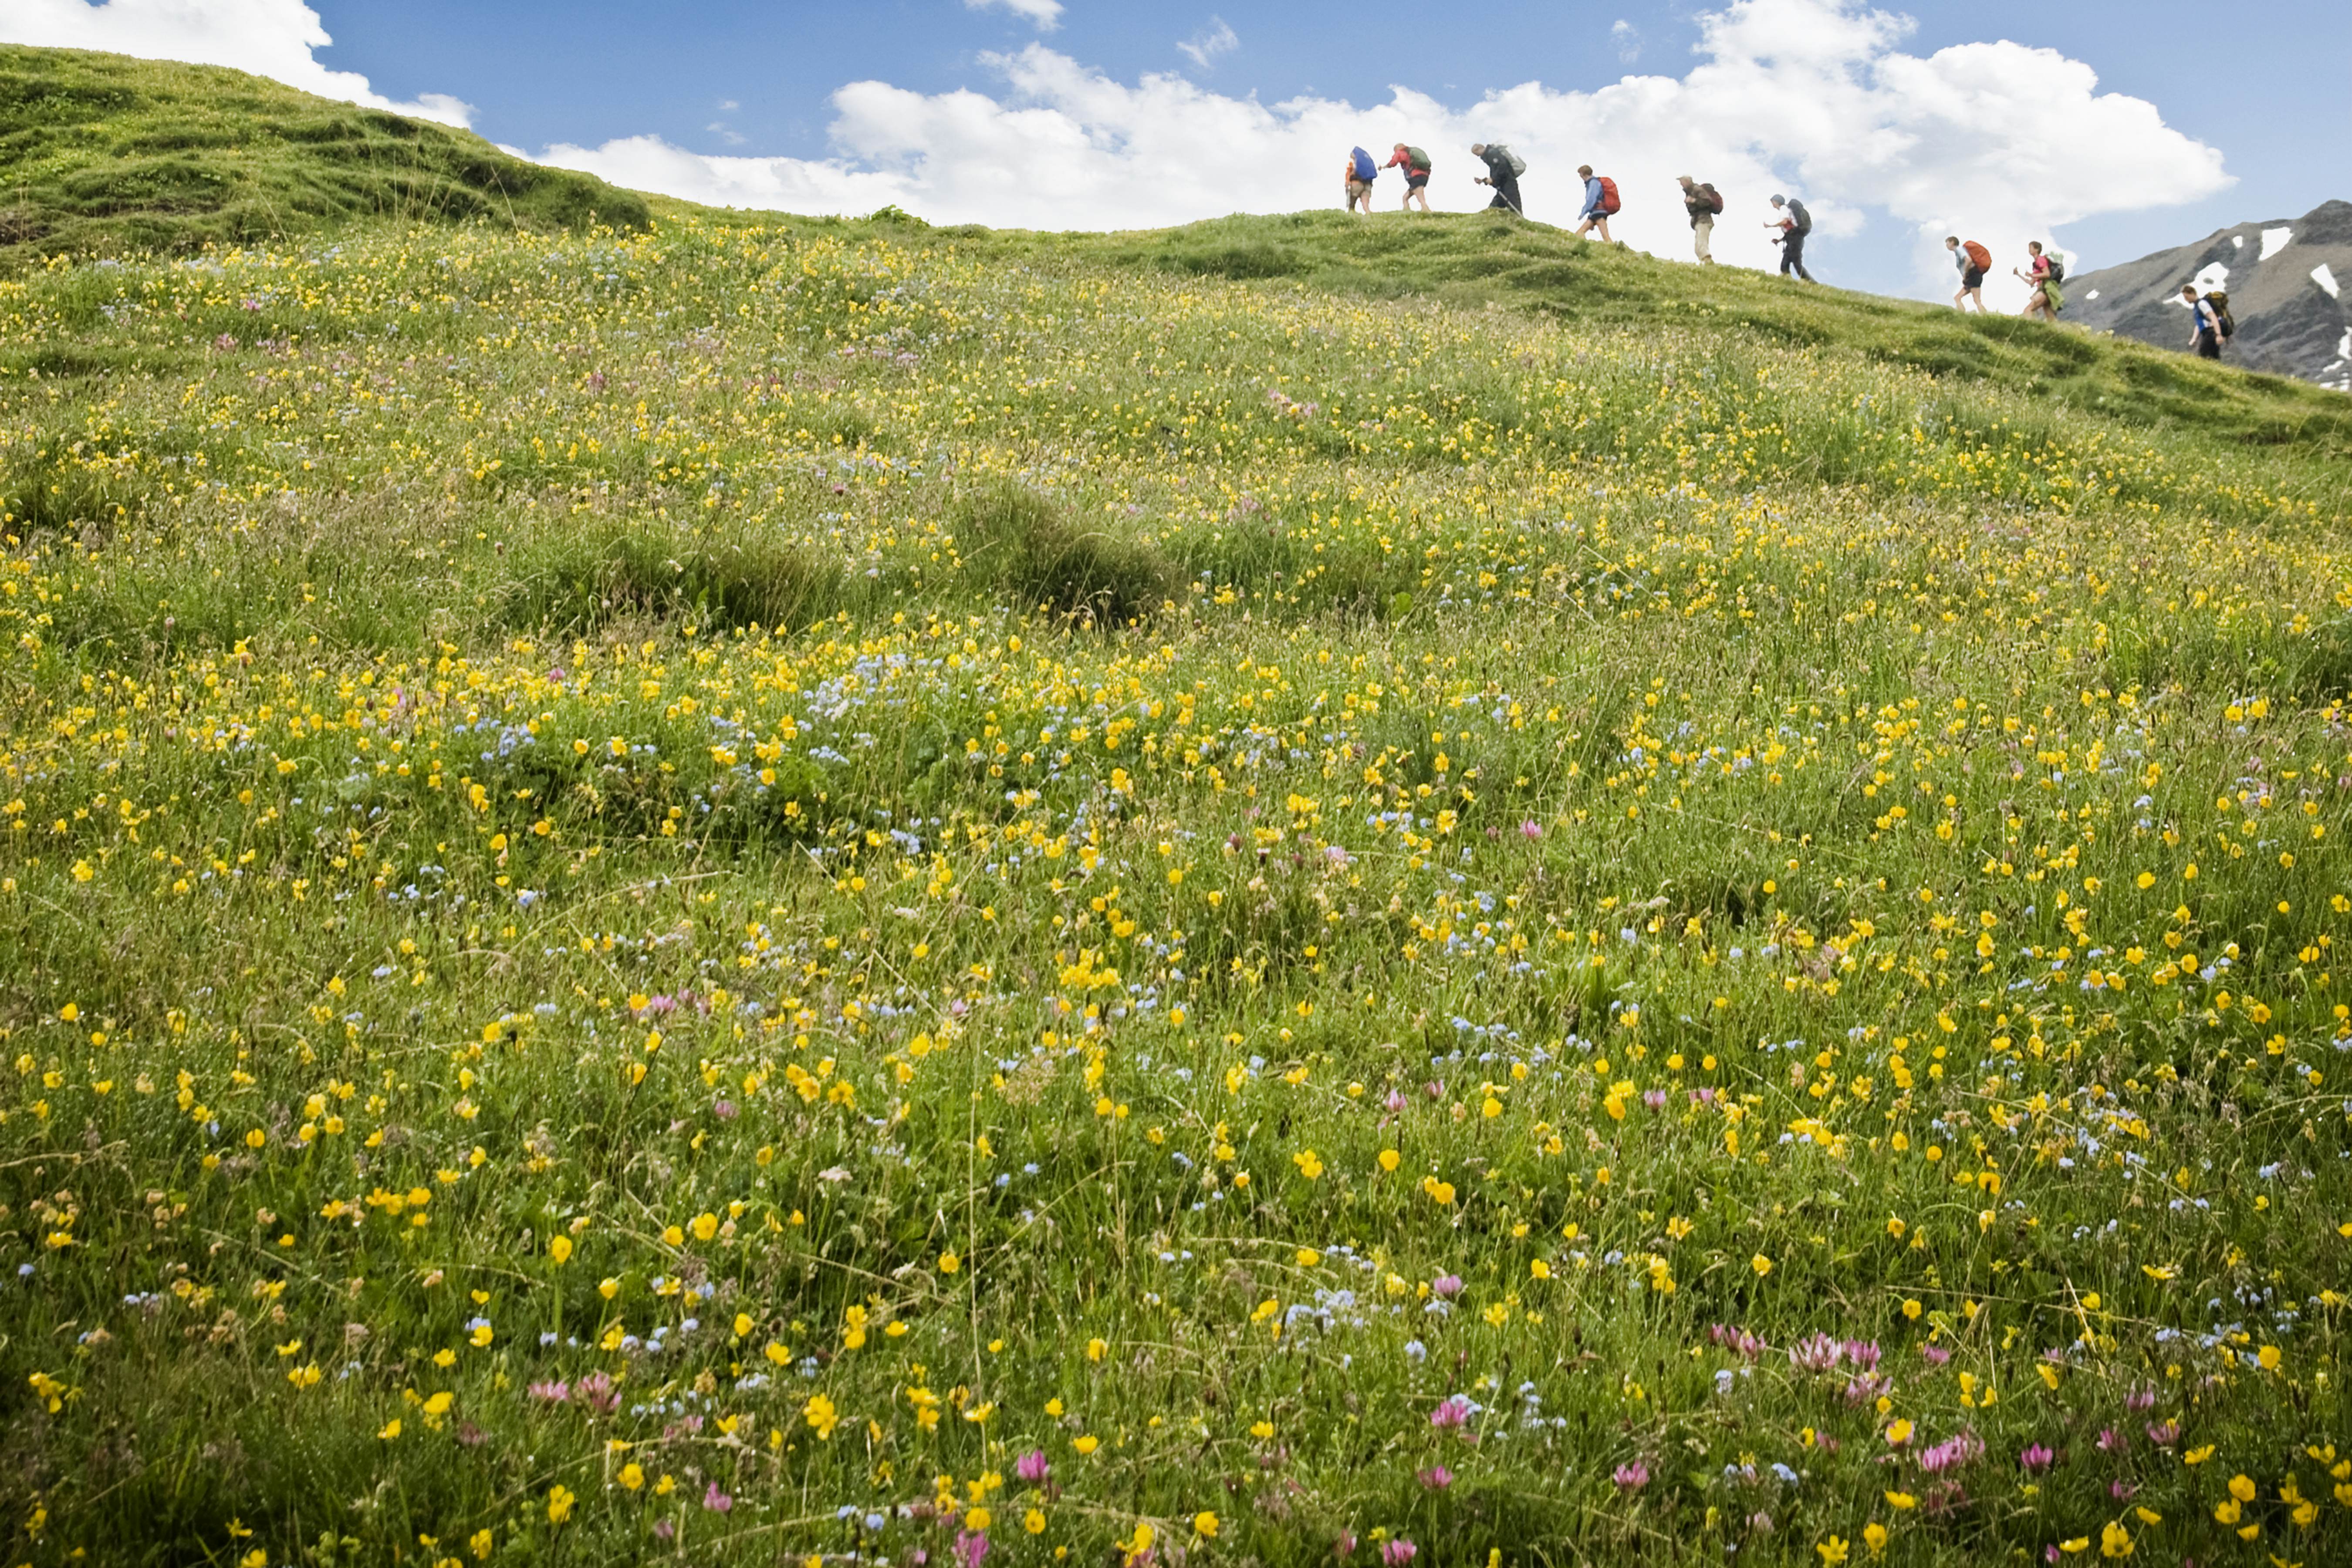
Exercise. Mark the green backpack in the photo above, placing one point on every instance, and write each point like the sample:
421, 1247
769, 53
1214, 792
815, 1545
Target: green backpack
1415, 158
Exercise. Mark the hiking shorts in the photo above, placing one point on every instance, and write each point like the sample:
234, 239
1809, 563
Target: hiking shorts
1415, 182
1972, 279
1357, 190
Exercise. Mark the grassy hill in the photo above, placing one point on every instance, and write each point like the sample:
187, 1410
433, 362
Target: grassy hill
105, 155
768, 890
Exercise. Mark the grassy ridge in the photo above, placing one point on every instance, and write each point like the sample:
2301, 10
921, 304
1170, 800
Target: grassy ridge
107, 154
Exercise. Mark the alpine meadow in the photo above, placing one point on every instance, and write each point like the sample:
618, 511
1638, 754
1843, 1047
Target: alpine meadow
705, 886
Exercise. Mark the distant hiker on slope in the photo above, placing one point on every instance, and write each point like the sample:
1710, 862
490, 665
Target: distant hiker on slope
1601, 202
2044, 276
1703, 202
1503, 168
1361, 173
2209, 322
1415, 165
1973, 262
1794, 223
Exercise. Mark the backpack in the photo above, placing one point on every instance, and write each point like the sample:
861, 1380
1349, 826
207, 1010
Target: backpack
2224, 322
1804, 219
1609, 199
1511, 161
1414, 158
1979, 256
1365, 170
2057, 265
1713, 198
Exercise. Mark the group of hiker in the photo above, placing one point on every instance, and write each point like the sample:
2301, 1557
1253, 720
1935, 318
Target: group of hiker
2044, 272
1602, 200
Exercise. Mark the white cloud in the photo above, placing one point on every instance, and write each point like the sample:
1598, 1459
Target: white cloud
1205, 46
1044, 14
1997, 141
1628, 39
275, 38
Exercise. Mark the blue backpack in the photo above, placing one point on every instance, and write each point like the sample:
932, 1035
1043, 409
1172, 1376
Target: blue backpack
1365, 170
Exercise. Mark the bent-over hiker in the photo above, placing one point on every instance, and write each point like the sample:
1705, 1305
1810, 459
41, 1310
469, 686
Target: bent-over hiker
1503, 168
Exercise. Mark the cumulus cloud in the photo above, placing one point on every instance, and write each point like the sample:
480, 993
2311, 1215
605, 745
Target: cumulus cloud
275, 38
1999, 141
1044, 14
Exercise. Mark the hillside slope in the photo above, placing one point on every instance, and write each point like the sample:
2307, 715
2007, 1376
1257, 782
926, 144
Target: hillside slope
2284, 280
105, 153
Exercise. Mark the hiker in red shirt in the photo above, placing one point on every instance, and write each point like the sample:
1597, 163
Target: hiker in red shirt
1415, 165
1973, 262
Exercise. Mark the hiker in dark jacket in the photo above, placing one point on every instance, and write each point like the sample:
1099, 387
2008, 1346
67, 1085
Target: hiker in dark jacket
1702, 201
1500, 175
1415, 165
1794, 223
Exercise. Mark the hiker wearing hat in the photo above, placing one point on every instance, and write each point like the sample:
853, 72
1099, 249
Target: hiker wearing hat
1973, 262
1794, 223
1503, 168
1415, 165
1702, 202
1599, 201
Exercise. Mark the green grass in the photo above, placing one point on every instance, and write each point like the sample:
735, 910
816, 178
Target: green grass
780, 863
106, 154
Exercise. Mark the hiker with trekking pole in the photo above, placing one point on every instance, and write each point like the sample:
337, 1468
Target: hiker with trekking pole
1361, 172
1974, 261
1601, 201
1794, 223
1503, 168
1415, 165
1703, 202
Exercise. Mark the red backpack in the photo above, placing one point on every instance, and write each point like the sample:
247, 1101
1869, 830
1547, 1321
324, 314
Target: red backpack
1609, 203
1979, 256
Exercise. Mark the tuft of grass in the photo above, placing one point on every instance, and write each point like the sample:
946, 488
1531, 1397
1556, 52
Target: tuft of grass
633, 569
1017, 541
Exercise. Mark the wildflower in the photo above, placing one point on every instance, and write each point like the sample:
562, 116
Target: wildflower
1452, 1413
1832, 1550
559, 1499
1761, 1264
1874, 1536
2115, 1541
1204, 1524
1396, 1553
2036, 1459
821, 1416
1435, 1478
715, 1502
1632, 1478
1032, 1467
971, 1547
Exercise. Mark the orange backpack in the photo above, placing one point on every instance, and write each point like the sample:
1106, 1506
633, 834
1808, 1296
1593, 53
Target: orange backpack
1979, 256
1609, 203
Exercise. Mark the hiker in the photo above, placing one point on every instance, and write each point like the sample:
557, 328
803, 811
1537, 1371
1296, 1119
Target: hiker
1973, 262
2207, 321
1702, 201
2047, 272
1415, 165
1600, 203
1794, 223
1361, 173
1503, 168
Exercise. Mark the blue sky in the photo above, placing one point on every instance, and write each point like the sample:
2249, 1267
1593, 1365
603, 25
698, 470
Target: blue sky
1046, 112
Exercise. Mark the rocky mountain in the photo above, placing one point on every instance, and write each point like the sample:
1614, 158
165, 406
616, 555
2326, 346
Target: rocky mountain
2286, 280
